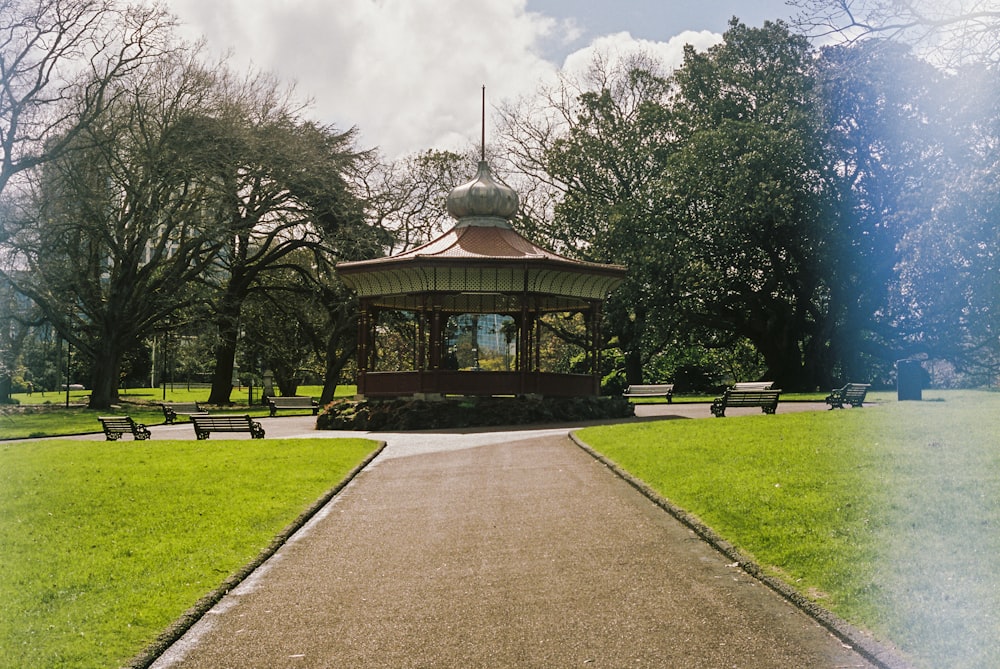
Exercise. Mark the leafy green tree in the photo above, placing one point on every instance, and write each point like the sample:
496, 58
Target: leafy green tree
885, 163
747, 194
276, 175
278, 335
58, 62
949, 277
602, 164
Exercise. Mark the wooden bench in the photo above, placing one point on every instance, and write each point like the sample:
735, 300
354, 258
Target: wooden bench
204, 424
753, 385
171, 410
852, 393
116, 426
651, 390
294, 402
767, 400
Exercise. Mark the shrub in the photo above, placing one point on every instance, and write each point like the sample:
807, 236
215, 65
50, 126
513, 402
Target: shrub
412, 414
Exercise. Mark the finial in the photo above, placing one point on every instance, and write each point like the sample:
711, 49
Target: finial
482, 144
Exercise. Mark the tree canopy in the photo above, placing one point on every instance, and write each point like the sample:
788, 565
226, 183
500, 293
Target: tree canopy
769, 192
805, 214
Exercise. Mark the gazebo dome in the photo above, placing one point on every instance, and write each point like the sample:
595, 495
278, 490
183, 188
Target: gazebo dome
482, 197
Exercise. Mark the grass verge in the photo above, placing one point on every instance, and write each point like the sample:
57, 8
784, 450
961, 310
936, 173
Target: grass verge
105, 544
37, 415
888, 516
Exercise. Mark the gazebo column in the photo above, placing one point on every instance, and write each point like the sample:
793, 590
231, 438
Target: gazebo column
523, 358
421, 363
362, 352
595, 345
372, 338
437, 342
536, 342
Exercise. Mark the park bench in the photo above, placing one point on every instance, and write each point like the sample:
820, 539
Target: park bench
116, 426
752, 385
294, 402
651, 390
204, 424
171, 410
852, 393
767, 400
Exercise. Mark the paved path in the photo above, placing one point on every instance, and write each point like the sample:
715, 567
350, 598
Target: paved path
499, 549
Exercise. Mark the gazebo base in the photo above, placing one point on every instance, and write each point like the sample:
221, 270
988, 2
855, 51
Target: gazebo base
429, 384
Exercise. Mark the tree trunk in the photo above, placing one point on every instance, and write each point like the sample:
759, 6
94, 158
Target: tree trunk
783, 360
334, 366
225, 358
284, 377
633, 366
104, 380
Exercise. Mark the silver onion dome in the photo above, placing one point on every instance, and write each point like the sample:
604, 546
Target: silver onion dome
483, 197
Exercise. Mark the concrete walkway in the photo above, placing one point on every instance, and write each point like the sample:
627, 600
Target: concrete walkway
499, 549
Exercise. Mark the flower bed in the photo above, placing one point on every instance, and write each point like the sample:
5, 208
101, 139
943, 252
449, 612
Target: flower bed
410, 414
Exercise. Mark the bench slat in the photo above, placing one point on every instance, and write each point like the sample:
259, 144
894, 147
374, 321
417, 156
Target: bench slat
852, 394
752, 385
767, 400
171, 410
294, 402
204, 425
651, 390
115, 426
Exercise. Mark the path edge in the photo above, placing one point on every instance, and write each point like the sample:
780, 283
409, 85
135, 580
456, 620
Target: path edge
180, 627
881, 654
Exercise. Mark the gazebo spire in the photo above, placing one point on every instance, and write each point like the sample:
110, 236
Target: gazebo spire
483, 201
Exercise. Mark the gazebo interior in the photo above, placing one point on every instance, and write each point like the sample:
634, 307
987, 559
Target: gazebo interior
428, 312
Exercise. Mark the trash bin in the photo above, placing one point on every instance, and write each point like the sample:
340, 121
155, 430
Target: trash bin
909, 380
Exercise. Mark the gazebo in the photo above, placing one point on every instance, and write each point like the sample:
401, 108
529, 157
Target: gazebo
480, 266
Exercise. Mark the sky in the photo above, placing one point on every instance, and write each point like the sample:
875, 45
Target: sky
408, 74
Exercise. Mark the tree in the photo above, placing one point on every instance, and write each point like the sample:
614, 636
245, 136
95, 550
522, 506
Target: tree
747, 193
116, 235
276, 174
949, 277
599, 148
952, 32
59, 60
885, 161
283, 328
406, 199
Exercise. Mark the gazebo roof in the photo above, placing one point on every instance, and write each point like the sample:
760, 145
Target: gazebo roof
481, 265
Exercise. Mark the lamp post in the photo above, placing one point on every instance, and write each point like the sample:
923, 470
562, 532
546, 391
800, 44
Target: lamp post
69, 348
163, 376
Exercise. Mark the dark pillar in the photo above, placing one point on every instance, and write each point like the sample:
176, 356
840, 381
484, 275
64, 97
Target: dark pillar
421, 340
909, 380
436, 338
595, 344
362, 355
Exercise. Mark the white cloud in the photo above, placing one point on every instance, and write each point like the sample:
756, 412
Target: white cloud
619, 46
407, 73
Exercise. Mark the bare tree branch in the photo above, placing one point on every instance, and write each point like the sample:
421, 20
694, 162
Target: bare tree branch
950, 33
57, 60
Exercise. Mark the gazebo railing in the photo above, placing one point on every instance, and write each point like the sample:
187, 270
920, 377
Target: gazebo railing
451, 382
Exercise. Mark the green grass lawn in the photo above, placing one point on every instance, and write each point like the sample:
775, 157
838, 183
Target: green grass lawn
39, 415
888, 515
105, 544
